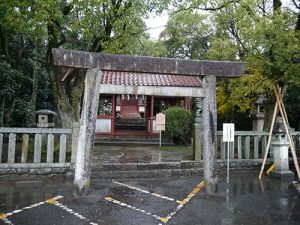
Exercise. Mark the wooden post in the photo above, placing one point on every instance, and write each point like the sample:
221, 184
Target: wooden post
37, 148
11, 148
285, 122
209, 133
113, 121
50, 148
256, 147
247, 147
1, 145
269, 140
25, 140
87, 132
151, 114
62, 148
198, 136
239, 147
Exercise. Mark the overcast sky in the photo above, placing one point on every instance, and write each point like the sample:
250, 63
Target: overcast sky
156, 24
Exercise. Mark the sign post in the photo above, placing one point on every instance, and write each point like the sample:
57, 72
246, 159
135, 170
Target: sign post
160, 124
228, 136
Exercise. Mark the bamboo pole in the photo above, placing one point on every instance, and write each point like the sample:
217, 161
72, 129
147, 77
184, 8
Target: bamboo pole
281, 106
269, 140
281, 100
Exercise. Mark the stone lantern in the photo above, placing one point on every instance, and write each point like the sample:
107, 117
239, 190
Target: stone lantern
259, 114
45, 118
280, 146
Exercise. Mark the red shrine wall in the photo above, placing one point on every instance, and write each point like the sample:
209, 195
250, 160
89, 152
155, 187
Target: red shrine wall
129, 114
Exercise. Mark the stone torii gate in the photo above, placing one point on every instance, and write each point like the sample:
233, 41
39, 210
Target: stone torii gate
95, 62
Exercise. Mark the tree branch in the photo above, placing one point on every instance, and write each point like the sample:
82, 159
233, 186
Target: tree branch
206, 8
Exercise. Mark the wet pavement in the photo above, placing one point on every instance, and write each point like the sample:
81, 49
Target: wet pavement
141, 154
245, 201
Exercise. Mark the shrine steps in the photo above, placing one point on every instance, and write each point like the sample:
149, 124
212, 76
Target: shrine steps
129, 140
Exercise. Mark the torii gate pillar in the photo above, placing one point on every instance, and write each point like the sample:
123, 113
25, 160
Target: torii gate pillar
87, 132
210, 133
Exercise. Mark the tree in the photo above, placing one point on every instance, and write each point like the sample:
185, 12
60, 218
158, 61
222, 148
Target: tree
178, 126
187, 35
262, 33
91, 25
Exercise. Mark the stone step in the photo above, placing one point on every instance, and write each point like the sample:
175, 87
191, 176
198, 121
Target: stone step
146, 173
166, 169
146, 170
130, 141
147, 166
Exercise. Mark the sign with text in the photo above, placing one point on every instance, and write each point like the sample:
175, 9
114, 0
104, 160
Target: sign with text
228, 132
160, 121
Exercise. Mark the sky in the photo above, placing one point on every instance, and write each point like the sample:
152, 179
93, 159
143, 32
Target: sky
156, 24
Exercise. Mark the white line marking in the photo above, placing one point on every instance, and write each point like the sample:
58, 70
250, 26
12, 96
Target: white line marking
31, 206
144, 191
7, 221
70, 211
131, 207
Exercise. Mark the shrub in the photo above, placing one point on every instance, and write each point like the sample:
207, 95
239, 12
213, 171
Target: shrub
178, 125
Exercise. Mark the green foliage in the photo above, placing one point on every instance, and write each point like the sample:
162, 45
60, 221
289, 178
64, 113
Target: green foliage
187, 35
178, 124
90, 25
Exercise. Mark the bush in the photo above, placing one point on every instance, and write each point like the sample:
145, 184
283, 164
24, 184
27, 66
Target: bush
178, 125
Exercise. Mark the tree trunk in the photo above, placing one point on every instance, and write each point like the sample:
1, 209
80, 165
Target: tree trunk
9, 113
2, 112
34, 82
63, 105
276, 5
269, 109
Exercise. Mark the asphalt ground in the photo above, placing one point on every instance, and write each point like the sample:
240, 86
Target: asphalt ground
245, 201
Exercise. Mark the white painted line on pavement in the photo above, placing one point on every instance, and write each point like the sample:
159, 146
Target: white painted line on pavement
3, 216
7, 221
144, 191
132, 207
70, 211
167, 218
183, 202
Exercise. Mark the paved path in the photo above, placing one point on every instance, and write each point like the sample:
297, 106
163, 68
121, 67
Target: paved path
141, 154
153, 201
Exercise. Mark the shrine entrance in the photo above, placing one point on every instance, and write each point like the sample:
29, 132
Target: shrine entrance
133, 115
129, 101
148, 76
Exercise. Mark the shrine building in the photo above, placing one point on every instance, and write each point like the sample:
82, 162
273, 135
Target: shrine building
122, 112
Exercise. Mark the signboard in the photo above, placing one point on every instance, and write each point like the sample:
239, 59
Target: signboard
160, 127
160, 121
228, 132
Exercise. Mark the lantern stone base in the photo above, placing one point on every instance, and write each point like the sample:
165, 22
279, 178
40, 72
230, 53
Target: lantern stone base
281, 158
284, 175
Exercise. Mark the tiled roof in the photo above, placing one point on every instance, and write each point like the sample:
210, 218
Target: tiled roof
149, 79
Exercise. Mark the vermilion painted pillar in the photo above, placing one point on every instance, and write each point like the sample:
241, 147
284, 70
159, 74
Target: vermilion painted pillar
186, 106
152, 114
113, 122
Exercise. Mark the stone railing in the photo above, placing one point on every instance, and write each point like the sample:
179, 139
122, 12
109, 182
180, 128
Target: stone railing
34, 150
250, 145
